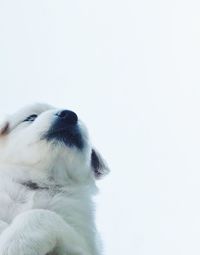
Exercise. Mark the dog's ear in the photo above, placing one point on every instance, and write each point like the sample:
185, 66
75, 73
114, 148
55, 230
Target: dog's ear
98, 165
4, 127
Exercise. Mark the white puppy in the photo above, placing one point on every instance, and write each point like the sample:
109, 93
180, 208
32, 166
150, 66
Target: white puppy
47, 178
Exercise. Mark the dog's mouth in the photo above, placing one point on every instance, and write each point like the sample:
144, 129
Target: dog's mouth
68, 136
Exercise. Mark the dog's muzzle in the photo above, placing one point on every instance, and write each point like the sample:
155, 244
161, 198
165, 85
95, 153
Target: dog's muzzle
65, 129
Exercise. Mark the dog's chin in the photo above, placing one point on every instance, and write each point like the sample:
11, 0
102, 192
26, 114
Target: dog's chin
69, 135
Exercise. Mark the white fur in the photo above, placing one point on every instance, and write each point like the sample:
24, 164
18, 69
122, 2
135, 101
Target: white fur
58, 218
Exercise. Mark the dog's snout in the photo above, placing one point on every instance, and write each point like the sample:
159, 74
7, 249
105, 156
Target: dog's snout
69, 116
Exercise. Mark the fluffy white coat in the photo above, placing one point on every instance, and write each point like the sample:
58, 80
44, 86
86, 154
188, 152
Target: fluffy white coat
57, 216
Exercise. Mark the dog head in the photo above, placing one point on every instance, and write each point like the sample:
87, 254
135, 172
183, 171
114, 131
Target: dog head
52, 142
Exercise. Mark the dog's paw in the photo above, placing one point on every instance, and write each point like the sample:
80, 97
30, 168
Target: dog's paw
12, 243
17, 248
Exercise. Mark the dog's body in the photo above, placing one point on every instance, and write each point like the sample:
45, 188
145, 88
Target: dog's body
47, 179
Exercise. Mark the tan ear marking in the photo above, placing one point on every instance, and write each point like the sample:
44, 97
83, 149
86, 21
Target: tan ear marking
4, 128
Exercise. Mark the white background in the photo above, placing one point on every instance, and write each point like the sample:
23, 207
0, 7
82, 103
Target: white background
131, 70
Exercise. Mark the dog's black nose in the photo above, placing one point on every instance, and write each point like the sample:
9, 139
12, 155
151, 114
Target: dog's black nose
68, 116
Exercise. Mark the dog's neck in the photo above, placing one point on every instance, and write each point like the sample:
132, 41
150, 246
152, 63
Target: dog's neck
34, 186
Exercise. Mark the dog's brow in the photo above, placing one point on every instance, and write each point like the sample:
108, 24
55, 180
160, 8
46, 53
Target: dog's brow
36, 110
18, 117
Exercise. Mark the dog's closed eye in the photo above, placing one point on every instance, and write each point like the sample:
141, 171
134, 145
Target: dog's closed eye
31, 117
